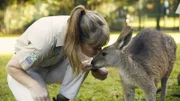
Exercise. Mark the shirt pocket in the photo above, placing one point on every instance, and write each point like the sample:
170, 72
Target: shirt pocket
56, 56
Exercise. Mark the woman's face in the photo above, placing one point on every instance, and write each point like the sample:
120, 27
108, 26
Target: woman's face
90, 51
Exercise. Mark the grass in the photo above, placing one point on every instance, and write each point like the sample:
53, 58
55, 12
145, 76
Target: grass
93, 89
5, 94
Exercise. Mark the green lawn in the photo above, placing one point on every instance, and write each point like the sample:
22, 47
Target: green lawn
93, 89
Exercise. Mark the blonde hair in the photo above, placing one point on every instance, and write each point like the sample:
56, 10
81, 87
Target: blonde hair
84, 26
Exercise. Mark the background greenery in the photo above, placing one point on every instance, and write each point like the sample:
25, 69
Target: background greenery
17, 15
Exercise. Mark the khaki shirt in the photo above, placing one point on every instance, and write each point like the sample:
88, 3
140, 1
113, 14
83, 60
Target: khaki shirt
41, 44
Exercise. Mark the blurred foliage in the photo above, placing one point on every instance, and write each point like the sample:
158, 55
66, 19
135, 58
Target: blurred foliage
20, 14
17, 15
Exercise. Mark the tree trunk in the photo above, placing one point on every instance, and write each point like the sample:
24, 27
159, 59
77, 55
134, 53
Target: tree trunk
158, 14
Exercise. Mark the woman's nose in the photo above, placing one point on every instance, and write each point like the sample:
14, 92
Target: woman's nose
98, 50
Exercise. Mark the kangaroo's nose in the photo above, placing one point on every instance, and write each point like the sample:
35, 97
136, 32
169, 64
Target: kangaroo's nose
92, 63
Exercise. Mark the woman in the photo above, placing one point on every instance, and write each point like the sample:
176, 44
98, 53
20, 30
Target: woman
57, 49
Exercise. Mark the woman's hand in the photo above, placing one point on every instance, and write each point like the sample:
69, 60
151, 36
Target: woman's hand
39, 93
100, 73
86, 65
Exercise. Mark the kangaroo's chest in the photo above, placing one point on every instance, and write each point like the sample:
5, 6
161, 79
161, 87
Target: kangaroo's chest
131, 76
126, 77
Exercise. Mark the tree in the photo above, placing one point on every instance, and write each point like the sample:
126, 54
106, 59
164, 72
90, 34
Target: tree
158, 12
3, 6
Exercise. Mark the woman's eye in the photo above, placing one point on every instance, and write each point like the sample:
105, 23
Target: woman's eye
104, 54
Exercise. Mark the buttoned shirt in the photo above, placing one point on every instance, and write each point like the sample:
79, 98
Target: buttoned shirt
42, 43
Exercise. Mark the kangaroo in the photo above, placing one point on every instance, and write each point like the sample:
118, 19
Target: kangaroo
142, 61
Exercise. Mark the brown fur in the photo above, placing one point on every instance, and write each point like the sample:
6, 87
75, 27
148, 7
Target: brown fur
142, 62
152, 47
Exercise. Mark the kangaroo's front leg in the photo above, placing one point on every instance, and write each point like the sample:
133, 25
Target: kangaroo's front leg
150, 90
128, 91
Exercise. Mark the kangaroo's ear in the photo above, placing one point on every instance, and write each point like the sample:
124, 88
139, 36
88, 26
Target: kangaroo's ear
124, 37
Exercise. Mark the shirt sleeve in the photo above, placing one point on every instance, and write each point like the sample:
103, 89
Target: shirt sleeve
40, 41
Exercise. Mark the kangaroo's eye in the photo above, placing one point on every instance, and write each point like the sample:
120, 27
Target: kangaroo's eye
104, 54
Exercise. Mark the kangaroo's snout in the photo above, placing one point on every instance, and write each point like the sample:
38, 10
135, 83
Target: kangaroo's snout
93, 64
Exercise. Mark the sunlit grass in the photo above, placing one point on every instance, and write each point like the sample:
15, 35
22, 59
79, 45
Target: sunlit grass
7, 45
5, 94
93, 89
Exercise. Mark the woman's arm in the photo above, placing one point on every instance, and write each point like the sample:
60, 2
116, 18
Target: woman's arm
15, 70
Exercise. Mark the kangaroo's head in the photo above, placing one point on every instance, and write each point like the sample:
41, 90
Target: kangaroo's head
111, 55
